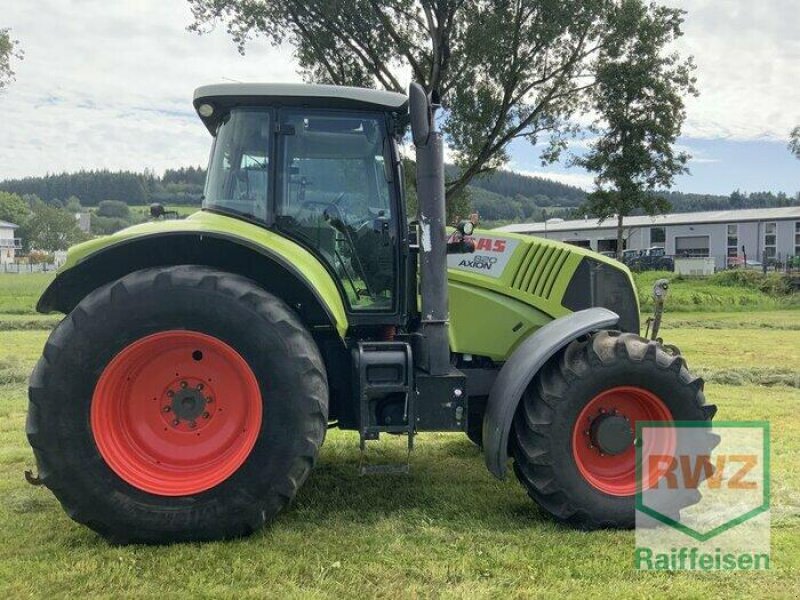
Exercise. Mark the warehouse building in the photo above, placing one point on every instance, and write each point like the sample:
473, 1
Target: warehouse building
8, 243
728, 236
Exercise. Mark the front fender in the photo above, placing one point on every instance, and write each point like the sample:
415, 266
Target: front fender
519, 370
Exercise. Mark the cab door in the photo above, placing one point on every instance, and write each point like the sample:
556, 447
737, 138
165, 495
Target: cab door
336, 197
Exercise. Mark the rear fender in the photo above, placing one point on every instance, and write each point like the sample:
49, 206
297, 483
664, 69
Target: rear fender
520, 369
310, 291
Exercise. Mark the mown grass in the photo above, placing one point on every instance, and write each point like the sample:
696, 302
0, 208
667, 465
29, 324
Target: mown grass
449, 529
19, 292
142, 211
725, 291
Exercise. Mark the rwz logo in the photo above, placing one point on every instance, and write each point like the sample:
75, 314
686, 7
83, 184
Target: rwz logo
693, 470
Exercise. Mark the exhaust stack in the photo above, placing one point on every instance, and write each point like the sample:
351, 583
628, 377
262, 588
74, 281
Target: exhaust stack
435, 347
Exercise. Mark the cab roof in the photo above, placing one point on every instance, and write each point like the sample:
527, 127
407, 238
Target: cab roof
224, 96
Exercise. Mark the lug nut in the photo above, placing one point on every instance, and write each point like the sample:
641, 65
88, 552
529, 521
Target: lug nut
206, 415
176, 422
199, 386
166, 409
209, 400
192, 425
170, 393
184, 384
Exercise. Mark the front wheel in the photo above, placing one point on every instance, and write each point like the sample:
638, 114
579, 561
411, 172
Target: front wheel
177, 404
573, 433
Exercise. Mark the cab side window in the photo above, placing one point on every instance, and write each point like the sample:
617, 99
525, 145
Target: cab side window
335, 198
238, 179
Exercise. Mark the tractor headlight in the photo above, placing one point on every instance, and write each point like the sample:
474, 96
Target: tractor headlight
466, 227
205, 110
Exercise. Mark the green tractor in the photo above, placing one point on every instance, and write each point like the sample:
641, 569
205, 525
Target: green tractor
187, 392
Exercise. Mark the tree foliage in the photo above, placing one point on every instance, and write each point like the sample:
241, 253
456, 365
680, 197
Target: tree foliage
176, 186
794, 141
49, 228
113, 209
545, 191
639, 95
9, 51
503, 70
13, 209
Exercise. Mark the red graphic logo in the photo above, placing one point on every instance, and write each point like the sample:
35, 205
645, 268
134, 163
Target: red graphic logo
490, 245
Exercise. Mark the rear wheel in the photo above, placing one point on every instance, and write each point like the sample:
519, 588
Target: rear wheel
175, 404
573, 434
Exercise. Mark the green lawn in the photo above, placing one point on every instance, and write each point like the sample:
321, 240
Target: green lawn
723, 292
143, 211
448, 529
20, 291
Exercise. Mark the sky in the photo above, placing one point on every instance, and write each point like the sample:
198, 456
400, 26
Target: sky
108, 84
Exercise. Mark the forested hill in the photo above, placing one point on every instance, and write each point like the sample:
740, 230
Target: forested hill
500, 196
510, 184
175, 186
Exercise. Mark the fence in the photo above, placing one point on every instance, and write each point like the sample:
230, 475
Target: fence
639, 260
15, 267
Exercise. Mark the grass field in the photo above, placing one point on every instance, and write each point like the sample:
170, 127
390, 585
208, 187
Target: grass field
448, 529
143, 211
723, 292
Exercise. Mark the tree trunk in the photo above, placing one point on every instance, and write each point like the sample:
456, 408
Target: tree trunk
619, 237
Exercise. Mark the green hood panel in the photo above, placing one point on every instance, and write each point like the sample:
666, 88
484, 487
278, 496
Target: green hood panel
486, 323
247, 233
509, 287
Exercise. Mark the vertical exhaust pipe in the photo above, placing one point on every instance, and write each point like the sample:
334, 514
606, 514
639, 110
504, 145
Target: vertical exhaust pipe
429, 145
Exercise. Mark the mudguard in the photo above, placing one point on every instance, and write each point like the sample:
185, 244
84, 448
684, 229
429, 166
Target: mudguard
204, 238
519, 370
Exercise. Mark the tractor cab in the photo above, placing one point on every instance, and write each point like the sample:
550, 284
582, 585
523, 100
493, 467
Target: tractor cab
319, 164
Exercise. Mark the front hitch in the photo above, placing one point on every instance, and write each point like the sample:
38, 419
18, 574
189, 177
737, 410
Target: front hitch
660, 289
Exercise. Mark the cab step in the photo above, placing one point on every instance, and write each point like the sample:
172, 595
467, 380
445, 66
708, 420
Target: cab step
385, 376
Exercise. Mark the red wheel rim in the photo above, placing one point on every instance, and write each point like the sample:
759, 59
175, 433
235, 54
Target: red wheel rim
615, 474
176, 413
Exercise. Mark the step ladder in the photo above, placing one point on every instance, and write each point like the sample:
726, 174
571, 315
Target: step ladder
384, 371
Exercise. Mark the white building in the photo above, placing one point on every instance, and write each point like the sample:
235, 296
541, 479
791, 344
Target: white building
8, 243
84, 221
763, 234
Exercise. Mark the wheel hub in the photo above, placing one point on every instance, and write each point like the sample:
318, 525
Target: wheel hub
187, 404
603, 437
158, 421
611, 433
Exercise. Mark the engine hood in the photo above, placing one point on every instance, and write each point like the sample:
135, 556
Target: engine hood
513, 284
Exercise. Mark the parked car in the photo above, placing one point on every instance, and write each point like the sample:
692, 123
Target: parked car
651, 259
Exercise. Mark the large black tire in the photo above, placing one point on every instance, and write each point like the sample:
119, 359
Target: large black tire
542, 442
260, 327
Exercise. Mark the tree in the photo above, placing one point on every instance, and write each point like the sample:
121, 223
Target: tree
503, 70
73, 204
9, 50
639, 98
794, 141
113, 208
50, 229
13, 209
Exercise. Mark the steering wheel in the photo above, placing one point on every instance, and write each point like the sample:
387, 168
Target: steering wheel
337, 212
